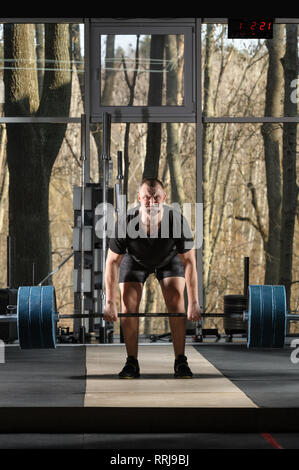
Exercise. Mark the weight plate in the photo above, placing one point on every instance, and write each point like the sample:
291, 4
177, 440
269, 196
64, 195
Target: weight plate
267, 316
280, 316
254, 316
48, 312
36, 310
35, 317
23, 318
234, 306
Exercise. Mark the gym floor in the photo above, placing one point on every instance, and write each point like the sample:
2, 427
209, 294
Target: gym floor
71, 397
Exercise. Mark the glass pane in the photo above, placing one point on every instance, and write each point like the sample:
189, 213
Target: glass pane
63, 146
41, 70
237, 197
142, 70
235, 74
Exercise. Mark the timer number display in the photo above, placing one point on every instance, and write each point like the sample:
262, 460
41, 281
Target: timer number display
250, 28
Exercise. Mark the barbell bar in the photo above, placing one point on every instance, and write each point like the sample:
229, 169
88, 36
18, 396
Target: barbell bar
138, 315
37, 316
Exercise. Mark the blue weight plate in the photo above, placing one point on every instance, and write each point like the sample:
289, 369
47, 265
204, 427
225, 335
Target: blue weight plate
35, 317
266, 335
267, 316
48, 312
23, 318
36, 321
254, 316
279, 316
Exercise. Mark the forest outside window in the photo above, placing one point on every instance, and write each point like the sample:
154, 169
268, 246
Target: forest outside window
250, 157
39, 62
142, 72
241, 69
128, 61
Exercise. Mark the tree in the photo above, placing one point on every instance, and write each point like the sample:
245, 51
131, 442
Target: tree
32, 148
207, 141
153, 145
290, 188
40, 55
272, 137
109, 71
173, 154
131, 85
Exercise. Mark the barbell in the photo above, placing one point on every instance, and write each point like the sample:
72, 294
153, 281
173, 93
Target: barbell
37, 317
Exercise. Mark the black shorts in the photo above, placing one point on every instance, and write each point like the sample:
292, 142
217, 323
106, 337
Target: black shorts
131, 271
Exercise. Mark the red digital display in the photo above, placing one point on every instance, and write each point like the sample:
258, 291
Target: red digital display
250, 28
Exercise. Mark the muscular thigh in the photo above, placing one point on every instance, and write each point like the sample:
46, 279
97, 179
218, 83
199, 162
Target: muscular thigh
131, 293
173, 289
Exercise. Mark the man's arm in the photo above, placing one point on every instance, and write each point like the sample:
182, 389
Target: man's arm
189, 262
111, 281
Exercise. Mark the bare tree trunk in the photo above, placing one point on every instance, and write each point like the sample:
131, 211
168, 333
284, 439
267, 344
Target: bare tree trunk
207, 155
40, 56
153, 144
153, 149
290, 188
132, 86
174, 162
78, 68
3, 176
173, 153
271, 136
109, 72
32, 149
180, 71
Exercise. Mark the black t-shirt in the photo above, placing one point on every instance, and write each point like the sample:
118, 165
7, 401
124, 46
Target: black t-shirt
154, 251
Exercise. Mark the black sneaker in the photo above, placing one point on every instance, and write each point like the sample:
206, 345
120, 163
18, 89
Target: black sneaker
181, 368
131, 369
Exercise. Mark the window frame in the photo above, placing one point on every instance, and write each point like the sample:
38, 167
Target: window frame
185, 113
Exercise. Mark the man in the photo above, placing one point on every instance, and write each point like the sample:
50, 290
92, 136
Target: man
164, 246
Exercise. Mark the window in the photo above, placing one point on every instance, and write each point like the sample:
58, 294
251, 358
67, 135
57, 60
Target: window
142, 74
239, 69
30, 54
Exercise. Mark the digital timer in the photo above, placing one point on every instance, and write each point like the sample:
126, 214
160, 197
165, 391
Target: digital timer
250, 28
